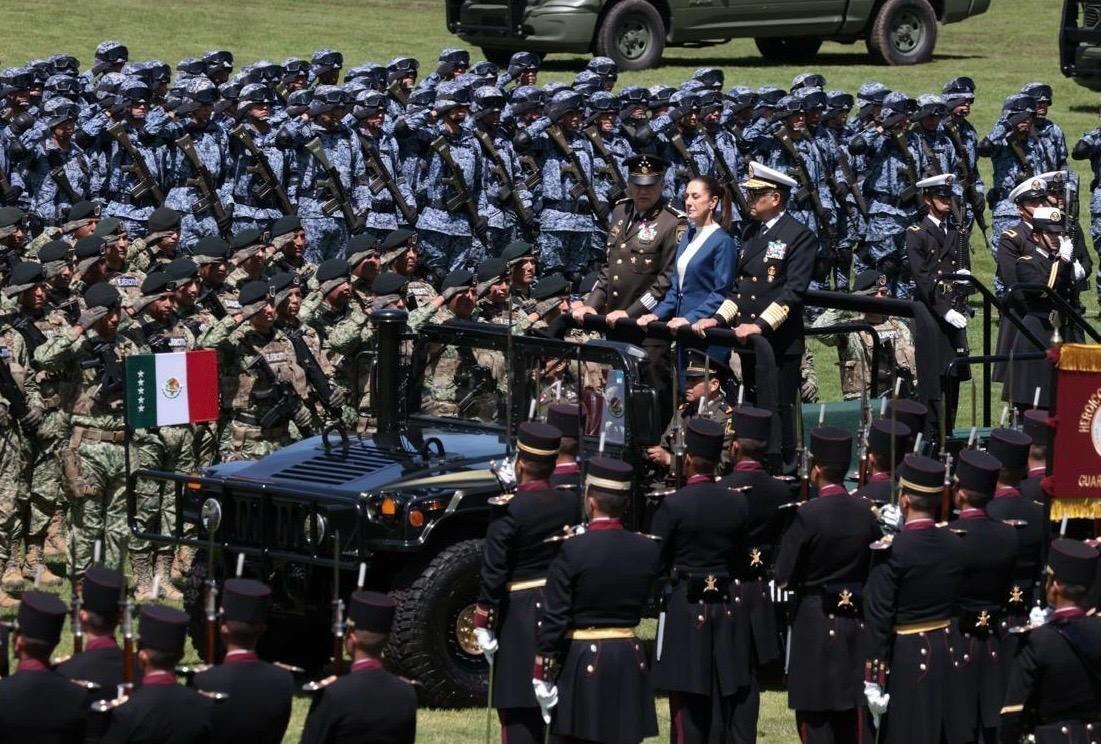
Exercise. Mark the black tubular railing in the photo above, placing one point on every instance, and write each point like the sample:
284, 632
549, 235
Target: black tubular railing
986, 360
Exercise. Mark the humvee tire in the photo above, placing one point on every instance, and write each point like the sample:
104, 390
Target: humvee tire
904, 32
632, 34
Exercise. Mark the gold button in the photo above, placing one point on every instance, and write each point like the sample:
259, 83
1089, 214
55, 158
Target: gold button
967, 657
925, 651
754, 278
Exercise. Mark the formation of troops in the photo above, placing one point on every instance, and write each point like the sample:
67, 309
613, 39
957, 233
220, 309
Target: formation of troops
265, 213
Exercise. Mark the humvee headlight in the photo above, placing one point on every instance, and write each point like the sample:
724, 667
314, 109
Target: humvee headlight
389, 507
308, 527
416, 518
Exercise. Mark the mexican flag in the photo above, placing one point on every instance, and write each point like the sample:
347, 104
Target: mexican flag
167, 389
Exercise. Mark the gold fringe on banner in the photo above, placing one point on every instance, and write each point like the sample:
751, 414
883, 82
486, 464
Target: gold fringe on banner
1075, 508
1080, 358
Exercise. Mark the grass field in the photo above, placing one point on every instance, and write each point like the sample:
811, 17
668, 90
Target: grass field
1014, 43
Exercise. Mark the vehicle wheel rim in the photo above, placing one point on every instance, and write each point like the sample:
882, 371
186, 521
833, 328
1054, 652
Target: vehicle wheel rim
906, 33
634, 39
464, 631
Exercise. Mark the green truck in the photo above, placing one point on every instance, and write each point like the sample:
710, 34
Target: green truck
634, 33
1080, 42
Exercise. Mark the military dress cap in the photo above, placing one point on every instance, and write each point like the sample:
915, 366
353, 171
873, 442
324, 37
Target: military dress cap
210, 249
41, 616
977, 471
371, 612
751, 422
883, 431
162, 628
939, 184
608, 474
921, 474
1010, 446
516, 251
553, 285
164, 220
1035, 422
102, 294
910, 412
110, 229
24, 275
645, 169
245, 601
88, 250
1056, 181
282, 284
869, 282
183, 269
360, 246
700, 365
831, 445
959, 89
1030, 189
538, 441
1072, 562
762, 177
455, 282
388, 287
80, 212
101, 590
1048, 219
566, 417
156, 285
704, 438
1040, 92
246, 243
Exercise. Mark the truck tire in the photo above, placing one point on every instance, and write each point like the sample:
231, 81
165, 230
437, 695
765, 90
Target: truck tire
904, 32
632, 34
797, 49
431, 640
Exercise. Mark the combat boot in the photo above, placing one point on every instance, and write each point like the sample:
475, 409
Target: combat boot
143, 576
55, 537
164, 570
34, 562
181, 566
12, 580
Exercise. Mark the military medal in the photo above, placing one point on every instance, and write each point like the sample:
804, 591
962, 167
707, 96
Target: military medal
647, 233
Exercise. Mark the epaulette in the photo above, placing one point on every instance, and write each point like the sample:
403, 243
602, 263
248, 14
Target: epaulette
86, 684
60, 660
915, 228
624, 200
568, 531
319, 685
675, 212
288, 667
103, 706
1024, 258
655, 538
883, 543
1018, 523
502, 500
190, 670
217, 697
1010, 232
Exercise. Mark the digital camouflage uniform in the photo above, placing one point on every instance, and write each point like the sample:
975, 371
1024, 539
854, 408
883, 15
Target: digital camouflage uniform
1090, 147
15, 442
450, 375
335, 337
854, 353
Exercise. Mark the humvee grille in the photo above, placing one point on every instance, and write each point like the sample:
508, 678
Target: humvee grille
338, 465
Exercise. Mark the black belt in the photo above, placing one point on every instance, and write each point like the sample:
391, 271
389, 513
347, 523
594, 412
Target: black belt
892, 199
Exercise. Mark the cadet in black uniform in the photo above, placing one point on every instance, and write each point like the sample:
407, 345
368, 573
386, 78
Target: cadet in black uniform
514, 571
1011, 448
566, 417
908, 605
36, 703
912, 413
877, 489
824, 559
990, 553
596, 591
703, 528
1053, 684
1035, 425
101, 660
756, 617
774, 270
161, 710
259, 703
369, 705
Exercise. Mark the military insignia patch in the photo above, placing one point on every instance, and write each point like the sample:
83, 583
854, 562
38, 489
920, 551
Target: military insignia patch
776, 250
125, 281
5, 352
771, 273
647, 233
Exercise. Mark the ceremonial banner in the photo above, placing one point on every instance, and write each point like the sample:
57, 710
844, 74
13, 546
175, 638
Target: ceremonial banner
1075, 452
168, 389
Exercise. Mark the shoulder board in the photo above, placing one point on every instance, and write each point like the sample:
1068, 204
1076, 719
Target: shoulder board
288, 667
215, 696
60, 660
1011, 233
675, 212
319, 685
883, 543
192, 669
103, 706
915, 228
1024, 258
86, 684
502, 500
655, 538
624, 200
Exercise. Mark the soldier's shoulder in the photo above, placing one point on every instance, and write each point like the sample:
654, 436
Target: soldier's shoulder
1024, 258
672, 211
916, 227
1009, 233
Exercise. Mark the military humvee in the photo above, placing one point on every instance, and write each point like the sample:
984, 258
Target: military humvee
1080, 42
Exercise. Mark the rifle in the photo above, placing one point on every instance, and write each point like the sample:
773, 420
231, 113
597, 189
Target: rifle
286, 400
112, 377
909, 167
534, 173
209, 201
728, 176
464, 197
314, 374
31, 333
381, 179
583, 186
971, 192
676, 464
677, 141
60, 177
803, 465
1014, 141
338, 610
338, 198
209, 300
127, 640
807, 189
77, 603
9, 195
210, 524
146, 185
862, 450
267, 185
481, 382
610, 168
508, 187
853, 186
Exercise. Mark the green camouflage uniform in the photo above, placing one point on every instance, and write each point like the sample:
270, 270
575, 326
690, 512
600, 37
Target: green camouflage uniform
854, 352
715, 409
449, 375
15, 441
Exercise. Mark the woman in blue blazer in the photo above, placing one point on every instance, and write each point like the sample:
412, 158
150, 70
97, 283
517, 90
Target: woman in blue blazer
703, 269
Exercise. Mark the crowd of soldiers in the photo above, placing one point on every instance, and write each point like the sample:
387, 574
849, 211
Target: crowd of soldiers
267, 213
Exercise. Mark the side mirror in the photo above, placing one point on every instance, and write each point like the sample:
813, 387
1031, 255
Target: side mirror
646, 428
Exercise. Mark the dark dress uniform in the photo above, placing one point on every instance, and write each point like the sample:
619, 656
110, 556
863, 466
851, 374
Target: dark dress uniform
908, 604
1015, 242
566, 477
774, 271
877, 489
1054, 686
824, 559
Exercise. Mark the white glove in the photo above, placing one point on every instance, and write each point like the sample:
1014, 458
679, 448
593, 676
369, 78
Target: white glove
486, 641
1039, 615
877, 700
890, 519
1079, 272
506, 474
1066, 249
956, 318
547, 695
965, 272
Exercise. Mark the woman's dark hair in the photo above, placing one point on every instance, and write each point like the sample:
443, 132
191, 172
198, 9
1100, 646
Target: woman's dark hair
714, 188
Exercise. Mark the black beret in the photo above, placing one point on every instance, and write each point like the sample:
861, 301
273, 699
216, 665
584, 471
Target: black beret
82, 210
285, 226
566, 417
162, 628
102, 590
516, 251
831, 445
1010, 446
88, 246
246, 238
55, 250
491, 269
108, 227
359, 247
182, 269
882, 431
978, 471
246, 601
608, 474
334, 268
396, 238
252, 292
157, 282
752, 423
909, 412
211, 246
1035, 421
164, 219
704, 438
41, 616
102, 294
588, 282
457, 278
554, 285
1071, 562
283, 279
921, 474
371, 611
538, 441
868, 281
11, 216
26, 274
388, 283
